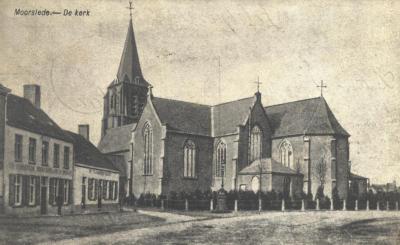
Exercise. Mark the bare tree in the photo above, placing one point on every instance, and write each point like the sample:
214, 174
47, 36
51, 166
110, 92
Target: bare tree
320, 169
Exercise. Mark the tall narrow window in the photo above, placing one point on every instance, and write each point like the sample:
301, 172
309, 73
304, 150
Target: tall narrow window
91, 189
56, 156
286, 153
32, 185
255, 143
66, 157
148, 149
32, 150
18, 191
220, 167
189, 159
45, 153
18, 148
66, 191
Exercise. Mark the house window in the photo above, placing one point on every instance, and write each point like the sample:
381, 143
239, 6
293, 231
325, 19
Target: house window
18, 148
31, 190
66, 157
189, 159
56, 156
83, 190
17, 190
66, 191
148, 150
115, 190
54, 190
32, 150
286, 154
45, 153
221, 160
255, 143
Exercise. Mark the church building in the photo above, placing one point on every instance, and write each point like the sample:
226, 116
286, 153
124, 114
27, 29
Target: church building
162, 145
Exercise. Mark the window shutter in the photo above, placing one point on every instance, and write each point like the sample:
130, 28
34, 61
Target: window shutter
51, 192
25, 192
37, 190
11, 194
96, 187
70, 192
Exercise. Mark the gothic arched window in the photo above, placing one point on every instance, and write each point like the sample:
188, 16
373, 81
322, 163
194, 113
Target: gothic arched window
220, 166
286, 153
148, 149
255, 143
189, 159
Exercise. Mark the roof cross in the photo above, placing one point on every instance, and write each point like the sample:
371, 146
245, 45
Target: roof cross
130, 8
322, 86
258, 84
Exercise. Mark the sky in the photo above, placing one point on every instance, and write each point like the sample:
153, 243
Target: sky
353, 46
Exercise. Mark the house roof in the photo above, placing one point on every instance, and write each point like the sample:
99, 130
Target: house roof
183, 116
268, 165
310, 116
228, 116
86, 153
116, 139
355, 176
119, 162
22, 114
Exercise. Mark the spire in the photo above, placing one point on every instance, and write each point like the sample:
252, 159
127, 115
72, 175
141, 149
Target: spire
129, 66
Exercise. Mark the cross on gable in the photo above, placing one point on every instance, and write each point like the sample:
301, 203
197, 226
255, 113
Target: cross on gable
130, 8
322, 86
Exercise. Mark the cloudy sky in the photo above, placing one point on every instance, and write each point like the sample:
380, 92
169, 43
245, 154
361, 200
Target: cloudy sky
353, 46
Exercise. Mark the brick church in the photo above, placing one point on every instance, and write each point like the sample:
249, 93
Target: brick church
162, 145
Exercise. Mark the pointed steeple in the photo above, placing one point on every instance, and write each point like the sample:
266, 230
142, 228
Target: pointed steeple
129, 66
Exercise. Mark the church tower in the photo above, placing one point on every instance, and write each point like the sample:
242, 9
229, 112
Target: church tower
126, 95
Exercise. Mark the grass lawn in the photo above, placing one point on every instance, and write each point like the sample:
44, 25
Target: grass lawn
46, 229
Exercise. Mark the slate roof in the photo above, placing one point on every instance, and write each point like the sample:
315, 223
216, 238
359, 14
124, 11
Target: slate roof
116, 139
228, 116
86, 153
22, 114
183, 116
310, 116
129, 66
119, 162
268, 166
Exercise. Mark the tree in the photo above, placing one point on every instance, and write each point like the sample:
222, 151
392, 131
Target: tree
320, 169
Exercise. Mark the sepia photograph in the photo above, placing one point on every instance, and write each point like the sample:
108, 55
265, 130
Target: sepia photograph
199, 122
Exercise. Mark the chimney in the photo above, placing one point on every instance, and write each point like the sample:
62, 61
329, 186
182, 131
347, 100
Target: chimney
32, 93
83, 130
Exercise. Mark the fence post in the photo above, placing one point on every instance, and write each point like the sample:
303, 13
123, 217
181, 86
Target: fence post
387, 206
356, 206
211, 205
186, 205
162, 204
332, 204
377, 205
283, 205
344, 205
302, 205
367, 205
236, 205
317, 205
